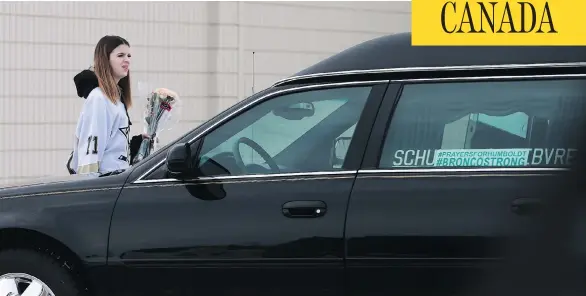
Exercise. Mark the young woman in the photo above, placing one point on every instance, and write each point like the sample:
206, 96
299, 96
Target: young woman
101, 136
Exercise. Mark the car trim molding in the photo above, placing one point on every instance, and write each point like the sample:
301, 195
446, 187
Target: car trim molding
428, 69
59, 192
363, 172
460, 170
253, 177
503, 77
257, 101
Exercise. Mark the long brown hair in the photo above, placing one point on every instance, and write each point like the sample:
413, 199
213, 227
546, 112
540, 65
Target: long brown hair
104, 72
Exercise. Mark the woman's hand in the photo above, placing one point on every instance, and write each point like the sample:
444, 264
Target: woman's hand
145, 136
137, 140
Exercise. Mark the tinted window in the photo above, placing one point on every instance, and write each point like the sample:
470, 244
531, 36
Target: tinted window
485, 124
290, 133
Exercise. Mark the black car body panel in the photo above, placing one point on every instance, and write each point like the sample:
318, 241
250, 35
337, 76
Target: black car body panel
353, 228
74, 211
438, 230
257, 249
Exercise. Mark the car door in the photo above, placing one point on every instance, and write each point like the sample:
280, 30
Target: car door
263, 213
452, 176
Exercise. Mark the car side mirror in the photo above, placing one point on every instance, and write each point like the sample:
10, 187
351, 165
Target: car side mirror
339, 151
179, 160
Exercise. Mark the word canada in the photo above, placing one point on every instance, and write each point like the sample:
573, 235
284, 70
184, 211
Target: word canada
496, 17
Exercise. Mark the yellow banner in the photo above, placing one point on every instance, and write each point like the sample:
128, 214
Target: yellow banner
498, 22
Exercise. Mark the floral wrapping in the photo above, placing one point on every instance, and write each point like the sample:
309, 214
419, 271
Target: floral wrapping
162, 104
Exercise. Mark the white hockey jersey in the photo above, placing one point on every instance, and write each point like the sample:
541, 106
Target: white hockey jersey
101, 136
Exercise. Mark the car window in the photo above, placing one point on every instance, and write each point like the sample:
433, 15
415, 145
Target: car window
274, 133
291, 133
484, 124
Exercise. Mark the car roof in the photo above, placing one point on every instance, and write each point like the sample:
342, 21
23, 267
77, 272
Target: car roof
395, 53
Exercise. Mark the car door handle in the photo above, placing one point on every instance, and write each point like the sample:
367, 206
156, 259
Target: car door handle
525, 205
304, 209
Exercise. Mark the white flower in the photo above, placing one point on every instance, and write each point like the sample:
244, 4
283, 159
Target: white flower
164, 93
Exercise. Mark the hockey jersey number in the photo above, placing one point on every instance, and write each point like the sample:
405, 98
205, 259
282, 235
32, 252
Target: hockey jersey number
91, 139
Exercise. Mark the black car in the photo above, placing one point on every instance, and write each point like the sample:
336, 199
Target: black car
386, 169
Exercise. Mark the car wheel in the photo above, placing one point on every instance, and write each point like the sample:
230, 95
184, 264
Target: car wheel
26, 272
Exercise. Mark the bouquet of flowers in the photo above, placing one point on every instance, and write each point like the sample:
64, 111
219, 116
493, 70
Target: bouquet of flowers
161, 106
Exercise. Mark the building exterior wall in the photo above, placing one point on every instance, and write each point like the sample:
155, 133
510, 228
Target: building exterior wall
202, 50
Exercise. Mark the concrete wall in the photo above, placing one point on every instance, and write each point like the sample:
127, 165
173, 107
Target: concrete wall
202, 50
